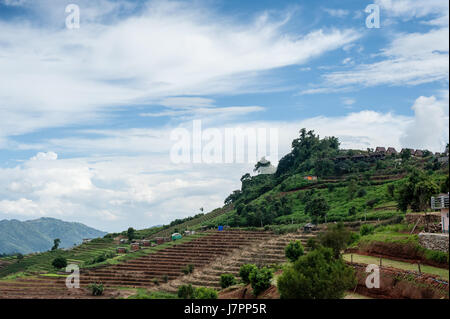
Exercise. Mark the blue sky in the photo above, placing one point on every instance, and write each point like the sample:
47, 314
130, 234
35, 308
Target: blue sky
86, 114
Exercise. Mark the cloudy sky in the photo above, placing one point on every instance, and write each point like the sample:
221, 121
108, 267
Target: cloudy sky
87, 114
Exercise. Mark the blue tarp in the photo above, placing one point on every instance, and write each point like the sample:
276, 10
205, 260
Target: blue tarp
220, 228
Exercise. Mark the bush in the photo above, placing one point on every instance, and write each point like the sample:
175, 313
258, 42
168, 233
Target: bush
437, 256
165, 278
59, 262
361, 192
205, 293
155, 281
366, 229
260, 279
188, 269
294, 250
336, 237
96, 289
245, 271
227, 280
317, 275
312, 243
186, 292
352, 211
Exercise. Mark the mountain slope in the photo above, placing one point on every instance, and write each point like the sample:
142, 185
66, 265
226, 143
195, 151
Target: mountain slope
38, 235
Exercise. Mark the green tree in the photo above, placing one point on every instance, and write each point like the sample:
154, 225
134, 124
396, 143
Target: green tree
416, 192
227, 280
405, 155
59, 262
244, 272
56, 243
294, 250
317, 208
130, 233
260, 279
19, 257
336, 237
317, 275
205, 293
186, 292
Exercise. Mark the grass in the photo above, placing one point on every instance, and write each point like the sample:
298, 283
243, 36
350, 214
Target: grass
443, 273
146, 294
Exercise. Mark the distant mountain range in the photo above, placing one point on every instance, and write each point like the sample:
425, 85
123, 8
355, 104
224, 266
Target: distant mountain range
38, 235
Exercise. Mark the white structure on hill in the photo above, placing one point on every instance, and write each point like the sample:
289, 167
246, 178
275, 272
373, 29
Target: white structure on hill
264, 167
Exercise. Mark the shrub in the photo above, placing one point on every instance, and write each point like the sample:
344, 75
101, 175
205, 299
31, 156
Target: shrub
361, 192
165, 278
437, 256
205, 293
294, 250
260, 279
317, 275
155, 281
186, 292
352, 211
96, 289
227, 280
188, 269
312, 243
336, 237
366, 229
59, 262
245, 271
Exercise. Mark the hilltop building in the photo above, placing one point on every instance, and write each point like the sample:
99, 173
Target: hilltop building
264, 167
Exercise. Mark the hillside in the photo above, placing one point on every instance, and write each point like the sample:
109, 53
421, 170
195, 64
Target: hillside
38, 235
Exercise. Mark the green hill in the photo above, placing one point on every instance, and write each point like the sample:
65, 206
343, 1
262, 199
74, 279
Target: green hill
38, 235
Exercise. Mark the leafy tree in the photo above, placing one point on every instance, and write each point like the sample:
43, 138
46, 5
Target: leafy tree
317, 275
445, 185
352, 187
391, 190
19, 257
317, 208
186, 292
59, 262
312, 243
96, 289
244, 272
130, 233
405, 155
205, 293
56, 243
294, 250
366, 229
260, 279
416, 192
336, 237
227, 280
352, 211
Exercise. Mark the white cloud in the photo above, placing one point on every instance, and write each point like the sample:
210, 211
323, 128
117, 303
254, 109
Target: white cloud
338, 13
45, 156
429, 130
69, 76
410, 59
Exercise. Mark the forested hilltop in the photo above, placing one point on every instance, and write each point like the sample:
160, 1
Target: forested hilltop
318, 182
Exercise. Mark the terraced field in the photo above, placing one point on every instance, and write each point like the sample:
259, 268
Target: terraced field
145, 270
262, 253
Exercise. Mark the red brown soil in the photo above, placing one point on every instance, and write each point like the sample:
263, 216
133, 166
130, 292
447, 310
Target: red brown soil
399, 252
246, 292
139, 272
400, 284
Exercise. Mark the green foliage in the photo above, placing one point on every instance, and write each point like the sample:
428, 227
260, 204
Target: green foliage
317, 208
188, 269
186, 292
96, 289
336, 237
165, 278
19, 257
416, 192
227, 280
131, 233
366, 229
56, 243
294, 250
437, 256
352, 211
59, 262
317, 275
244, 272
260, 279
205, 293
312, 243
